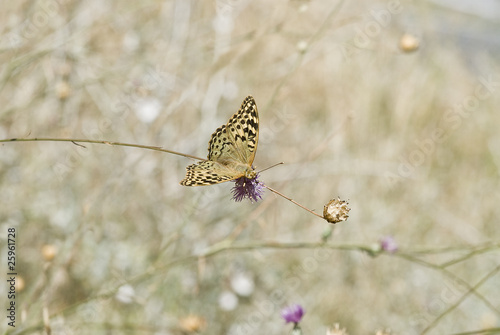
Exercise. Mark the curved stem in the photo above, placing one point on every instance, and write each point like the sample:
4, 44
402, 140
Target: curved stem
76, 141
293, 201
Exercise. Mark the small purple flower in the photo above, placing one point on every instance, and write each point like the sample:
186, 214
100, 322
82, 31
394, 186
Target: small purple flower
293, 313
388, 243
247, 188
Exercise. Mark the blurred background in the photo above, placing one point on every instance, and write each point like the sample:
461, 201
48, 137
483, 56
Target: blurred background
392, 105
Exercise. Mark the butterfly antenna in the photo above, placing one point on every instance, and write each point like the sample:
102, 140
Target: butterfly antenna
271, 167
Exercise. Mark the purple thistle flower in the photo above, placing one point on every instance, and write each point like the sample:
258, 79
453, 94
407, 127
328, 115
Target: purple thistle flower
293, 313
247, 188
388, 243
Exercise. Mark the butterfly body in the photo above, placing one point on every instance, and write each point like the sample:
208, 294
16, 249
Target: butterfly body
231, 150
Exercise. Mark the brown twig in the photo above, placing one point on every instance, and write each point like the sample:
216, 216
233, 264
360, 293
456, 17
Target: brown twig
293, 201
75, 141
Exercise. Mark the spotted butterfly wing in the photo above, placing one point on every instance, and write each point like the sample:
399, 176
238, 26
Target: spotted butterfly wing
231, 149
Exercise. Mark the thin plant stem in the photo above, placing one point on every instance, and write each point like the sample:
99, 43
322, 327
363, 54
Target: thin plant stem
76, 141
301, 54
156, 148
449, 274
471, 290
293, 201
267, 168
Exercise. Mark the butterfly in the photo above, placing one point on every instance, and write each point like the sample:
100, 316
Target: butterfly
231, 150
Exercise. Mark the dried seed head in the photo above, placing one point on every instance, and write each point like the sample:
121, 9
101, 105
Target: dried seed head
192, 324
20, 284
336, 330
409, 43
49, 251
63, 90
336, 210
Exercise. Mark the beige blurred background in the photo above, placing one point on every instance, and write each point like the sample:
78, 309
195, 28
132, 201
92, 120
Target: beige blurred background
392, 105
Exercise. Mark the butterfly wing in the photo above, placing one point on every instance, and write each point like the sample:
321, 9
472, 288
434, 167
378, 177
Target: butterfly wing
208, 173
231, 149
237, 140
